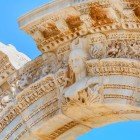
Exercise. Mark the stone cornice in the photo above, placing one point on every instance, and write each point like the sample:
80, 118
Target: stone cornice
53, 30
61, 4
45, 10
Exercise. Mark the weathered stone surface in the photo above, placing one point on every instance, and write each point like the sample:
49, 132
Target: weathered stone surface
87, 76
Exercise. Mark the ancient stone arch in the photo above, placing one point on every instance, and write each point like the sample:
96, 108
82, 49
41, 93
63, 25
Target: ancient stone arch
87, 76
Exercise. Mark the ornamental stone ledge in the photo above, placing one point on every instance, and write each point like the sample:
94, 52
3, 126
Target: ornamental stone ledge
87, 76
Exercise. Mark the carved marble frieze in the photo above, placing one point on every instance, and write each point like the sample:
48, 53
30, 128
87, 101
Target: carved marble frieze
62, 73
117, 44
49, 63
99, 101
28, 97
53, 30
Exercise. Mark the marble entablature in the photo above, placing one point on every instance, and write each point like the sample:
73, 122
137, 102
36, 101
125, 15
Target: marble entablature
87, 76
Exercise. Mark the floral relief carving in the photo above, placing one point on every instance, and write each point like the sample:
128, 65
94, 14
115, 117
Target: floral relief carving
90, 95
102, 46
124, 49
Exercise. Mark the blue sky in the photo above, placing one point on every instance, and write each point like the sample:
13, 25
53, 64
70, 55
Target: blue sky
10, 33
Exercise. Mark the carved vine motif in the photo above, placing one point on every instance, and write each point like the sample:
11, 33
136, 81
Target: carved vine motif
68, 65
91, 95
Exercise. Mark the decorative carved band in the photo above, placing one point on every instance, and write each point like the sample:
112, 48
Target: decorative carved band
28, 97
119, 97
113, 67
127, 87
53, 30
